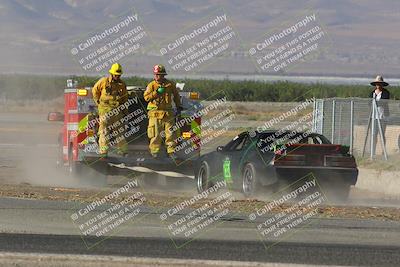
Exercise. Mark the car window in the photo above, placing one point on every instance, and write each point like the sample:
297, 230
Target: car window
322, 139
317, 140
270, 139
243, 143
311, 140
303, 141
238, 142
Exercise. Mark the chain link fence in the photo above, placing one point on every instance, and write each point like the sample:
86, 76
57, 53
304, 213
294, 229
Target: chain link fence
370, 128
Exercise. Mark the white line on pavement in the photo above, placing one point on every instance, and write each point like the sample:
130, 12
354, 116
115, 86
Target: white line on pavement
22, 145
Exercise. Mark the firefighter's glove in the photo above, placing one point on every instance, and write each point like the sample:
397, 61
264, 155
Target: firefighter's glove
161, 90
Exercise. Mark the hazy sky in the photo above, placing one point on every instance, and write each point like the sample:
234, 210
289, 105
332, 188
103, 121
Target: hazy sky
344, 37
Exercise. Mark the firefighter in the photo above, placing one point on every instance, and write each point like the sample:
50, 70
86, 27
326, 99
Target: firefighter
109, 93
159, 95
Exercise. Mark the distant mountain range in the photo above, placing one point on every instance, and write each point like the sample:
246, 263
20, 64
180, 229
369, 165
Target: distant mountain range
362, 36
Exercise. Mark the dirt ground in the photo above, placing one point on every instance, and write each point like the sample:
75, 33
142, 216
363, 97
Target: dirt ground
27, 170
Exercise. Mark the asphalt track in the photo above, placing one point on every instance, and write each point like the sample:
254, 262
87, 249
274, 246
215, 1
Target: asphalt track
37, 226
304, 253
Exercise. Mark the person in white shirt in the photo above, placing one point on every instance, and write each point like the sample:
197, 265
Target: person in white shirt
382, 112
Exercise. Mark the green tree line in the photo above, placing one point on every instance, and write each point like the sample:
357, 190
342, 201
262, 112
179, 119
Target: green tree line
21, 87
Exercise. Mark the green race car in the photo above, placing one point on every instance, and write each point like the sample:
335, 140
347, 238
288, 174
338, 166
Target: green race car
253, 160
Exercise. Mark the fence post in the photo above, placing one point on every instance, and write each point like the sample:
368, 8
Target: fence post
372, 130
322, 117
339, 124
315, 114
351, 126
333, 122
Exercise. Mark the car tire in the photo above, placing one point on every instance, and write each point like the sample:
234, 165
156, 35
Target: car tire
203, 177
249, 180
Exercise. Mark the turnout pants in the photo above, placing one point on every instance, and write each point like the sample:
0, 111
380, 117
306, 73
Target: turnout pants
111, 131
161, 126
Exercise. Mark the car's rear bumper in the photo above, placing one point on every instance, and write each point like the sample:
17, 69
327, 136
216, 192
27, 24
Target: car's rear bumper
322, 174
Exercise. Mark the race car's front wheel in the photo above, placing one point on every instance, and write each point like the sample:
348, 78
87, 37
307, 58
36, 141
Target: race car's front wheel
203, 177
249, 180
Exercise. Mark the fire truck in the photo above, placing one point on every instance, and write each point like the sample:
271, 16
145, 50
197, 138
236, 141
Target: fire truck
78, 138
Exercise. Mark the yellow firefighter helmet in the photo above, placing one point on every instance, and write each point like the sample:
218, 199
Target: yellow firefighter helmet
116, 69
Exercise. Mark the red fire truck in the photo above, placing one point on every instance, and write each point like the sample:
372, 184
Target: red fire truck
78, 141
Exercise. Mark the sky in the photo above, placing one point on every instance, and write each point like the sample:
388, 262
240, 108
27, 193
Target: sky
303, 37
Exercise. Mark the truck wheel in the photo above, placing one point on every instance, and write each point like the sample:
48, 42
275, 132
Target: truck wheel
203, 177
249, 180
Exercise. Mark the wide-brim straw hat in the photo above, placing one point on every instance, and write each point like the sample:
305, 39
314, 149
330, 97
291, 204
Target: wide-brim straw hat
379, 80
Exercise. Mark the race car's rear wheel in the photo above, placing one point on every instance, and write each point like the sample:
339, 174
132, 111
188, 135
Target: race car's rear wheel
203, 177
249, 180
